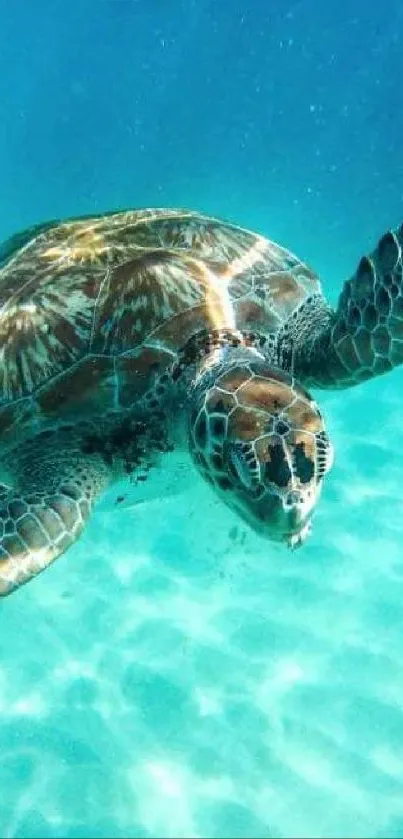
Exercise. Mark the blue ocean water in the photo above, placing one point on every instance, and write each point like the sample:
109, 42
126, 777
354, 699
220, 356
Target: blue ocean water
174, 675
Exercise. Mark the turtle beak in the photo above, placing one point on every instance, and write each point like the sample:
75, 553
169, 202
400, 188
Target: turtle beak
297, 513
297, 539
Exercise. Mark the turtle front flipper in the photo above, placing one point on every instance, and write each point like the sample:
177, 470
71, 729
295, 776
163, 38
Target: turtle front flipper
364, 337
45, 512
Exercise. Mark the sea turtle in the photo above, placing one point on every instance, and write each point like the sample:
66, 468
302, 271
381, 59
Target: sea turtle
127, 334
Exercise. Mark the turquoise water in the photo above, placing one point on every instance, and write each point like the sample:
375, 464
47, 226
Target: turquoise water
174, 675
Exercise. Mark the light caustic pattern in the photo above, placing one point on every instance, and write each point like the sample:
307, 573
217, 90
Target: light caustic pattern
175, 675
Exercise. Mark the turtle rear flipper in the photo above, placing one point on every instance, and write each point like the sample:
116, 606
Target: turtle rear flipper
364, 338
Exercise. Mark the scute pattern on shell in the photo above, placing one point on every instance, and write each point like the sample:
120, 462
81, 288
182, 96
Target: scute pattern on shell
45, 330
76, 293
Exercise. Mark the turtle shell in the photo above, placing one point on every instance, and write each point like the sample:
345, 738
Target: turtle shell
91, 305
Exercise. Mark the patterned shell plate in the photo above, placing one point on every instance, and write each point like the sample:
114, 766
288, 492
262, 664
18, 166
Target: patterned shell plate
89, 306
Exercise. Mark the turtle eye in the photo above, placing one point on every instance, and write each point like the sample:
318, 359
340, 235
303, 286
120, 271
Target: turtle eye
324, 456
243, 465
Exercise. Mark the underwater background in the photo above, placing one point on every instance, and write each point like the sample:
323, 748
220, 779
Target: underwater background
175, 675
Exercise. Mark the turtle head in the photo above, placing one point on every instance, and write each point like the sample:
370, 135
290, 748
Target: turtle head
258, 437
